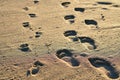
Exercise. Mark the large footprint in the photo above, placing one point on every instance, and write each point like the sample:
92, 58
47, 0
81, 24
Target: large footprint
67, 57
100, 62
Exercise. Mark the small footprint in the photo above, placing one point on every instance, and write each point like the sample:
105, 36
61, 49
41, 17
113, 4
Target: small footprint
35, 69
26, 24
32, 15
38, 34
36, 1
24, 47
79, 9
65, 4
26, 8
67, 57
70, 33
70, 18
100, 62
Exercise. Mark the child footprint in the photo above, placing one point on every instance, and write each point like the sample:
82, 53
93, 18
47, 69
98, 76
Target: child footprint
100, 62
65, 4
67, 57
35, 69
71, 34
70, 18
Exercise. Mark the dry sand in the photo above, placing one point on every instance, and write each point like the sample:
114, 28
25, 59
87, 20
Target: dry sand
69, 39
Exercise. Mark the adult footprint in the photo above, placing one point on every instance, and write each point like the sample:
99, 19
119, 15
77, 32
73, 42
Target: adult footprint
100, 62
91, 22
70, 18
90, 42
67, 56
65, 4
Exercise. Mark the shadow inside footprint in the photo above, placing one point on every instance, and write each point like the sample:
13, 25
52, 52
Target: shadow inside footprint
100, 62
24, 47
70, 33
88, 40
26, 24
67, 17
79, 9
32, 15
65, 4
36, 1
38, 63
67, 56
38, 34
62, 53
104, 3
35, 71
70, 18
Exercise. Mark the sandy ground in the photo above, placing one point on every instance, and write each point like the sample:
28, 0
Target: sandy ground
45, 27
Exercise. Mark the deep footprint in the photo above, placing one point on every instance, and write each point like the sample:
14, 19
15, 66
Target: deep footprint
67, 56
91, 22
70, 18
79, 9
105, 3
100, 62
70, 33
88, 40
65, 4
32, 15
36, 1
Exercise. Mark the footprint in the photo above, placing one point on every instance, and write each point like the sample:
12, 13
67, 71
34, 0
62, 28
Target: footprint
38, 34
67, 57
24, 47
88, 42
26, 8
70, 33
38, 63
100, 62
70, 18
32, 15
35, 69
26, 24
79, 9
65, 4
36, 1
91, 22
105, 3
117, 6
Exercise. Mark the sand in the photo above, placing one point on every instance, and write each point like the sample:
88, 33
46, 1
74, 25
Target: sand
35, 30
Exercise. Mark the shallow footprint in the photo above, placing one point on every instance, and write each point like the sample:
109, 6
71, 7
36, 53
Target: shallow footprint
100, 62
67, 57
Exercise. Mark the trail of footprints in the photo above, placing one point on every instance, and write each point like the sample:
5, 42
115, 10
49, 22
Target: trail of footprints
66, 55
96, 62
